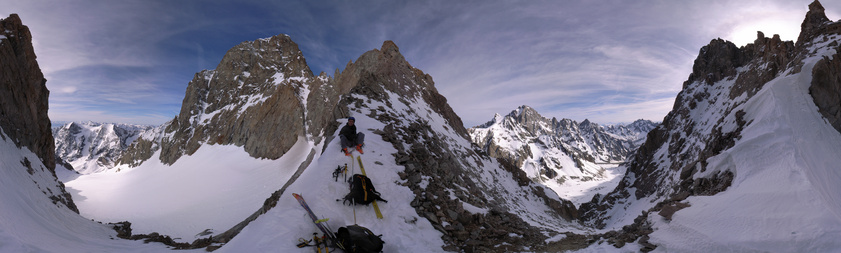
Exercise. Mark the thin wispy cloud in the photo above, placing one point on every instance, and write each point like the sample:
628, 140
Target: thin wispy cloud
607, 61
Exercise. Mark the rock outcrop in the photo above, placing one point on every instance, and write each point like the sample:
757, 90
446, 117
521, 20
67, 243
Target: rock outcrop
23, 107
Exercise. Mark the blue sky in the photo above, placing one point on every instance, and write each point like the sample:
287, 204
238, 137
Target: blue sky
607, 61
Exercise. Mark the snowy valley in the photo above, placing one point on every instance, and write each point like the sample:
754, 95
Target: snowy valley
747, 160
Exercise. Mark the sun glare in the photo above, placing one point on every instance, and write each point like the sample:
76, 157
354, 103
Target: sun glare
746, 33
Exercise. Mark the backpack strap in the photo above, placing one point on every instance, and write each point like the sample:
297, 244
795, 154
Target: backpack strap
364, 187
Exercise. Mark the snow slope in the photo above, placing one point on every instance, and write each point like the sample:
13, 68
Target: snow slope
402, 229
30, 222
209, 191
786, 195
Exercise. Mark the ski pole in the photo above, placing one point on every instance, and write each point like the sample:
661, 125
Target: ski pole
315, 241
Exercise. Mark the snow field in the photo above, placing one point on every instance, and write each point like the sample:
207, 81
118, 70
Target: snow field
30, 222
215, 188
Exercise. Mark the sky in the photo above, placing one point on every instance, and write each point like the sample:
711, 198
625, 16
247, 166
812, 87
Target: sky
606, 61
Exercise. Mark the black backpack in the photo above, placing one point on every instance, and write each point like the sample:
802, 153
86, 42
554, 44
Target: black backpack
362, 191
358, 239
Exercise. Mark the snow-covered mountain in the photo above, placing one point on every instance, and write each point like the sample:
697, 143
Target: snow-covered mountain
748, 158
558, 153
94, 147
507, 136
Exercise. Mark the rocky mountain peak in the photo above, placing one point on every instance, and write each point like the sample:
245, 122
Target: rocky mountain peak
391, 49
279, 51
715, 61
813, 23
527, 117
379, 72
262, 96
24, 100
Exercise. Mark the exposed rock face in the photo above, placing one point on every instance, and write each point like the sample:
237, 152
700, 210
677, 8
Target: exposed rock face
704, 120
262, 96
826, 75
826, 88
216, 106
24, 100
23, 107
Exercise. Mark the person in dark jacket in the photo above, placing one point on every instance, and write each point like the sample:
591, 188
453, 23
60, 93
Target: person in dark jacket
350, 138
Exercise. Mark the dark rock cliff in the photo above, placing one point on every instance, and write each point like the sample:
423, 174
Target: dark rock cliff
24, 104
24, 100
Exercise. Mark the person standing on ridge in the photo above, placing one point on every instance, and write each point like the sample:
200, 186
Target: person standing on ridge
350, 138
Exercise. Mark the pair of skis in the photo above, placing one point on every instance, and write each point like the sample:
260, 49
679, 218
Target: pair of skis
320, 223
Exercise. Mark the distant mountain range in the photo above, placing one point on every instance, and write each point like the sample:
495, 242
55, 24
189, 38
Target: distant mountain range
94, 147
549, 148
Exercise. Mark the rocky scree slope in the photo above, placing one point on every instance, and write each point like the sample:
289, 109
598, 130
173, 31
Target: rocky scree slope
707, 119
